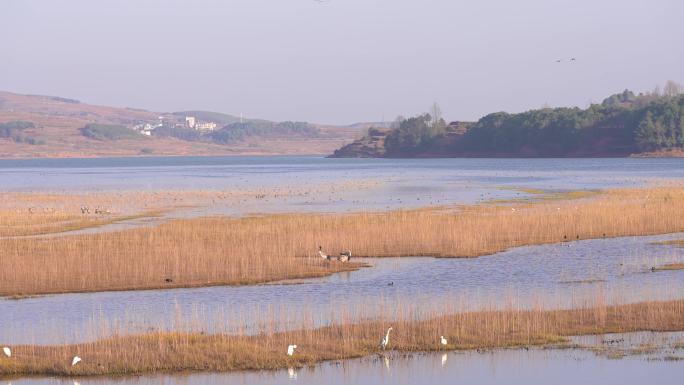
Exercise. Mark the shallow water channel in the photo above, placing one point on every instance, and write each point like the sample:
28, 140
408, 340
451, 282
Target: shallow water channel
564, 275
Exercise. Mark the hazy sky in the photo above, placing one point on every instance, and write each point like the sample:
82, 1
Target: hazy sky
340, 61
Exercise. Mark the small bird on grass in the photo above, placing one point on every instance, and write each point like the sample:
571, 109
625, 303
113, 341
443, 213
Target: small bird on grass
76, 360
291, 349
442, 340
7, 351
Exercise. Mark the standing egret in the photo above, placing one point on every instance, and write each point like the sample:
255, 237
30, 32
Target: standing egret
385, 340
7, 351
76, 360
290, 349
442, 340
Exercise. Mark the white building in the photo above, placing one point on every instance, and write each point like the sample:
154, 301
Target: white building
205, 126
146, 128
190, 121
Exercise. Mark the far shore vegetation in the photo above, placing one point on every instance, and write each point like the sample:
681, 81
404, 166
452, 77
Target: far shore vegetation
15, 130
182, 351
109, 132
248, 250
623, 124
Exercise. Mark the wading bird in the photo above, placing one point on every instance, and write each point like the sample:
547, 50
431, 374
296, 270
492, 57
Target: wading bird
7, 351
385, 340
345, 256
290, 349
442, 340
76, 360
322, 254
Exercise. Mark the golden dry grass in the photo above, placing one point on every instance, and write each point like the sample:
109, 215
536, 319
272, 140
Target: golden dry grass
488, 329
21, 224
231, 251
671, 266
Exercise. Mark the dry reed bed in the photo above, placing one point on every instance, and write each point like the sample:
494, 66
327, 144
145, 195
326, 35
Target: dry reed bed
231, 251
15, 224
488, 329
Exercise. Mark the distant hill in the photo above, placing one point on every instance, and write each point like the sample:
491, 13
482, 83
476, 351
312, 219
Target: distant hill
624, 124
52, 126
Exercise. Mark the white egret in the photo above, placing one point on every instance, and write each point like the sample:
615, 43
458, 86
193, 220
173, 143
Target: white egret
290, 349
442, 340
385, 340
76, 360
7, 351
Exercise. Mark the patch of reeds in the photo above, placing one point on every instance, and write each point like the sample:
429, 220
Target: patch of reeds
670, 266
168, 351
231, 251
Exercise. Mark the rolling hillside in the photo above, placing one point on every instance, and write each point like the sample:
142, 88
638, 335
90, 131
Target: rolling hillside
51, 126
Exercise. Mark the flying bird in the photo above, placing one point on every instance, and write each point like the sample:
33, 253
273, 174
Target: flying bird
76, 360
7, 351
290, 349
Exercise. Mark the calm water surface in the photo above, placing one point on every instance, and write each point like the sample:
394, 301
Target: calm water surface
553, 276
403, 182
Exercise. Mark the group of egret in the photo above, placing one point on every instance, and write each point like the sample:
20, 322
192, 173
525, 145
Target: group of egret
345, 256
290, 348
8, 353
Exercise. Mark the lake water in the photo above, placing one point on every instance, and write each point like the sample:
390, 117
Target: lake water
401, 182
551, 276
